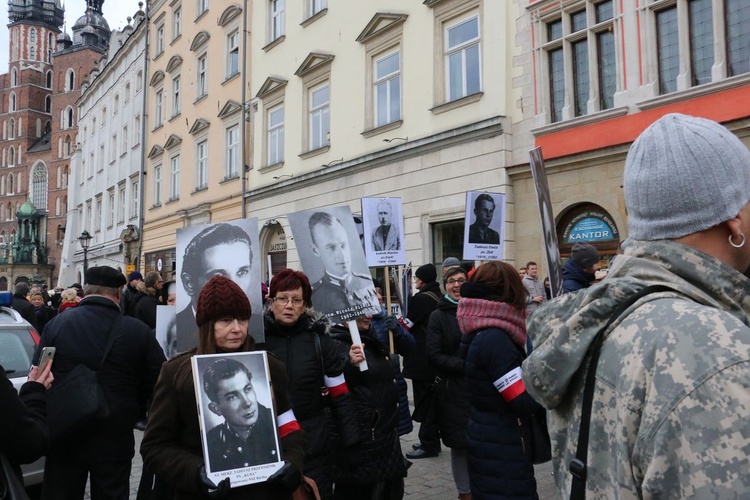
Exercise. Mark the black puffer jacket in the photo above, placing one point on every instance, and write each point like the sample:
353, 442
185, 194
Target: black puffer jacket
444, 353
145, 305
379, 457
416, 365
296, 347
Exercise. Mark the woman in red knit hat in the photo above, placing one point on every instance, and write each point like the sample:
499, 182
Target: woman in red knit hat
171, 446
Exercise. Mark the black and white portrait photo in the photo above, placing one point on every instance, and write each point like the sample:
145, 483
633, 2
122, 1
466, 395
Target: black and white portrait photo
227, 248
384, 231
166, 329
332, 257
484, 226
238, 431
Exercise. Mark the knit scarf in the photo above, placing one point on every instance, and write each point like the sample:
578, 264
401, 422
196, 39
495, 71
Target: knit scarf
477, 314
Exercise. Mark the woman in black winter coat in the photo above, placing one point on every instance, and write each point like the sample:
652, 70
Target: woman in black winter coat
374, 469
313, 360
444, 353
23, 427
492, 318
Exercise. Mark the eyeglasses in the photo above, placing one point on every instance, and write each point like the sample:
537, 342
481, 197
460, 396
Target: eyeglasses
460, 281
296, 301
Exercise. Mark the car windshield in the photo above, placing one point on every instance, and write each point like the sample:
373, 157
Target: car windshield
16, 351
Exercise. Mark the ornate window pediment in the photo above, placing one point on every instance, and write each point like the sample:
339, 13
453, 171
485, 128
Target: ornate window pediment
174, 63
230, 107
380, 23
172, 141
270, 85
155, 151
229, 13
200, 39
199, 125
313, 61
157, 78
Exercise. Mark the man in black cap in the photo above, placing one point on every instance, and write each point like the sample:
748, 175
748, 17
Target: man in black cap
127, 299
416, 365
104, 450
580, 270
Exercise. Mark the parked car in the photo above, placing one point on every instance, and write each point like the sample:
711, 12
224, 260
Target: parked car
18, 340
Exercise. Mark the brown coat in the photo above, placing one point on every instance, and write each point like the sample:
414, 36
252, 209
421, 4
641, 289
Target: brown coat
171, 445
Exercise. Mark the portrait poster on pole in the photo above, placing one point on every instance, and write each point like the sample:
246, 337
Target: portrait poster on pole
166, 329
227, 248
238, 427
332, 257
384, 231
484, 227
552, 248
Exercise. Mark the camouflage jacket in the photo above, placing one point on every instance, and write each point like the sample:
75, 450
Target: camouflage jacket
672, 395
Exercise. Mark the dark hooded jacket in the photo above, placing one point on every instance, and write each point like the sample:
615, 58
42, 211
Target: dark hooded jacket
307, 361
575, 278
145, 304
416, 365
443, 350
378, 458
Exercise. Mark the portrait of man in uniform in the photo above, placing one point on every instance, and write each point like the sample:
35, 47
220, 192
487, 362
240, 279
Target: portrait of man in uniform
344, 290
224, 248
480, 231
246, 437
385, 236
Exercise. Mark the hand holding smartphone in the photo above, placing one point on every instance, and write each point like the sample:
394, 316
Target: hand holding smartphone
48, 354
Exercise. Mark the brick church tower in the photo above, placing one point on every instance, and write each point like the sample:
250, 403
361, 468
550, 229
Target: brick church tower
39, 132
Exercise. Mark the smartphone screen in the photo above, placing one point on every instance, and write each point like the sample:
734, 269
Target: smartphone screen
47, 354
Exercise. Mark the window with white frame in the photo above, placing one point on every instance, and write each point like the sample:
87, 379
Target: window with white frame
159, 39
462, 59
121, 204
176, 106
233, 53
201, 165
231, 169
277, 18
116, 106
126, 93
135, 195
125, 140
387, 88
111, 207
316, 6
737, 19
136, 130
320, 120
202, 82
12, 106
159, 108
580, 58
100, 164
176, 23
113, 148
174, 178
98, 214
202, 7
276, 135
157, 185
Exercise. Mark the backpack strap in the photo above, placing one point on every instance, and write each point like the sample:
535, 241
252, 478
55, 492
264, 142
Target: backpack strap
434, 297
112, 335
577, 466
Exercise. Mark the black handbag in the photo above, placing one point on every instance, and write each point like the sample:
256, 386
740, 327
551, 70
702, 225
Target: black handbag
541, 447
78, 399
427, 409
11, 486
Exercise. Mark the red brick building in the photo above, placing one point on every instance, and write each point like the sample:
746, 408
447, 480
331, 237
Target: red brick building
39, 132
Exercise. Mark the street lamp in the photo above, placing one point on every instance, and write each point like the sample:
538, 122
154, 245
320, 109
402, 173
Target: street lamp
85, 239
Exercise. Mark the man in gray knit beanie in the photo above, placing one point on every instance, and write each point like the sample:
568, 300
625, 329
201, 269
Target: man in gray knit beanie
670, 392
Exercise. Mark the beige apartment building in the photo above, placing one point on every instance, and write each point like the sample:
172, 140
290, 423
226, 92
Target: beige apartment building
193, 122
380, 99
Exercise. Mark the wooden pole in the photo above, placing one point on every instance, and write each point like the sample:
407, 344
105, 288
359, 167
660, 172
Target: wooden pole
388, 306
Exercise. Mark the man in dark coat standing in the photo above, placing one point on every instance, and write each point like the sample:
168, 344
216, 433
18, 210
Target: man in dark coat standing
23, 306
127, 298
416, 366
128, 374
579, 270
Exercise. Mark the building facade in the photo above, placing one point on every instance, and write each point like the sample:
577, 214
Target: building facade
104, 189
595, 75
380, 99
193, 122
26, 115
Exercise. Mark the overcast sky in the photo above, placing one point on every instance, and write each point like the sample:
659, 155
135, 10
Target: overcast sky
116, 13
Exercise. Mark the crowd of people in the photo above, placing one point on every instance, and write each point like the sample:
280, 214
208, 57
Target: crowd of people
654, 380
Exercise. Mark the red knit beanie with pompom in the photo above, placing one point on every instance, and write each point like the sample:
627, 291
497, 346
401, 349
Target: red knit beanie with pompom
219, 298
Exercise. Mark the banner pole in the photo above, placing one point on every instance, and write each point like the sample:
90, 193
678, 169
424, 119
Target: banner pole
356, 339
388, 306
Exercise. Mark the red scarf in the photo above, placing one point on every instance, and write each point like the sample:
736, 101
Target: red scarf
478, 314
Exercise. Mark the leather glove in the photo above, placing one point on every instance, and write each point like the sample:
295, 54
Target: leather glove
393, 325
287, 478
210, 489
